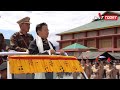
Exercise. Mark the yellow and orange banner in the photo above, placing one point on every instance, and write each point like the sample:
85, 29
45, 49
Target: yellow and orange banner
43, 63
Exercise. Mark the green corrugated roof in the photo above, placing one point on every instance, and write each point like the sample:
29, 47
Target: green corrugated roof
94, 55
90, 55
94, 25
76, 46
115, 55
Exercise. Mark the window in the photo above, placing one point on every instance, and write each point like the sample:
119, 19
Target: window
91, 43
106, 32
79, 35
65, 37
91, 33
118, 43
105, 43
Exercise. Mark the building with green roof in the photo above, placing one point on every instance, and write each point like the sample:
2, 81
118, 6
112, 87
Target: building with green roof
99, 33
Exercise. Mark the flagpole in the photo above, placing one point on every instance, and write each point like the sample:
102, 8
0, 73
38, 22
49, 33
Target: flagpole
84, 74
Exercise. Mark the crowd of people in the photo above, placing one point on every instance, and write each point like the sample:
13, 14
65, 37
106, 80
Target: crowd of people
95, 70
101, 69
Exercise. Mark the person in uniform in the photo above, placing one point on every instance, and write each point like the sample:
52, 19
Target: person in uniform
114, 74
42, 46
109, 70
88, 69
95, 70
83, 66
118, 68
20, 41
100, 70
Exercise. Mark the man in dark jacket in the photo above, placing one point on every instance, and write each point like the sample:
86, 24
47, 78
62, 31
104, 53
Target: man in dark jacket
3, 59
41, 45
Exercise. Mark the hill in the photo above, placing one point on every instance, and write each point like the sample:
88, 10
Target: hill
7, 41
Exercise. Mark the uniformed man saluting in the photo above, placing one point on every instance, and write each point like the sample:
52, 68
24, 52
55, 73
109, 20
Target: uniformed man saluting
20, 41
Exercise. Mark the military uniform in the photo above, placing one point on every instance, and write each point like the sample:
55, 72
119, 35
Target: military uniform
88, 70
20, 42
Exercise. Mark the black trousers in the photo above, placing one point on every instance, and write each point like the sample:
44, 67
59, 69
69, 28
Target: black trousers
49, 75
22, 76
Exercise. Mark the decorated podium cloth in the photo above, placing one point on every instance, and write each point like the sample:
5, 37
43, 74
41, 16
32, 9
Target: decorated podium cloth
20, 64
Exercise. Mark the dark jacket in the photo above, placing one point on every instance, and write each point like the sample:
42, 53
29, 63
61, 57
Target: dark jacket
33, 49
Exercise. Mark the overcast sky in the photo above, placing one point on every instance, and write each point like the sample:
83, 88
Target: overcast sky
58, 21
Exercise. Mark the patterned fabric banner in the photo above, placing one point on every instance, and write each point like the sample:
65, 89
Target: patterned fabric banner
43, 63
